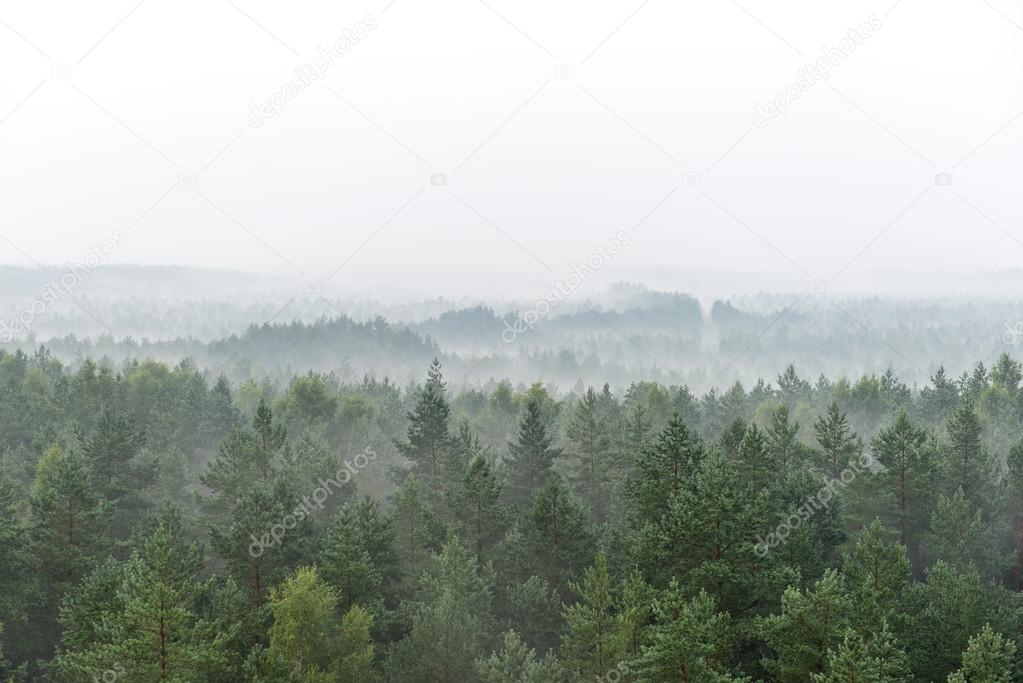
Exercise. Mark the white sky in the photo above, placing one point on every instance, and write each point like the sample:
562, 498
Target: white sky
539, 168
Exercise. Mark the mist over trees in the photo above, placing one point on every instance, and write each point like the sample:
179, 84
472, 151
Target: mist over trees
163, 522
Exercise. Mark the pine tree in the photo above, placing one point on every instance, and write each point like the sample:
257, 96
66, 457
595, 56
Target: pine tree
732, 437
1007, 373
663, 469
877, 577
809, 625
151, 628
591, 465
957, 534
264, 539
1014, 511
857, 659
989, 658
592, 646
17, 568
946, 610
708, 535
479, 519
531, 456
635, 614
450, 623
116, 473
783, 439
838, 442
67, 520
346, 564
429, 436
755, 460
968, 465
556, 539
416, 529
516, 662
690, 641
246, 456
377, 532
907, 475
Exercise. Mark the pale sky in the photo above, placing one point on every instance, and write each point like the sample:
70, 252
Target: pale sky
555, 125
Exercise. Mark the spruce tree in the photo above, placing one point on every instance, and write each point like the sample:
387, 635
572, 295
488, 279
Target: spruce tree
346, 565
591, 463
556, 539
479, 518
429, 435
531, 456
838, 442
662, 470
968, 465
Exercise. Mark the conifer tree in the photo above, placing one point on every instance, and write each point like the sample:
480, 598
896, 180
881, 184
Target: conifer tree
907, 475
346, 564
591, 465
957, 533
663, 469
479, 519
450, 623
1014, 511
151, 628
593, 645
416, 529
689, 641
531, 455
968, 465
809, 625
838, 442
557, 542
116, 474
877, 578
429, 435
516, 662
67, 522
783, 439
989, 658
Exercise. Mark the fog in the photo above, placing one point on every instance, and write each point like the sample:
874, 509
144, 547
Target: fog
552, 128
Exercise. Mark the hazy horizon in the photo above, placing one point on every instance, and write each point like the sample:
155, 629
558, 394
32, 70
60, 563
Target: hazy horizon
552, 129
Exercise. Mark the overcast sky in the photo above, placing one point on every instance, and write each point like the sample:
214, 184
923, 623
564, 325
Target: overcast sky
552, 126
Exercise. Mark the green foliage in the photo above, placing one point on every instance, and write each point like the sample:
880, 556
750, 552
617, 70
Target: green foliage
689, 640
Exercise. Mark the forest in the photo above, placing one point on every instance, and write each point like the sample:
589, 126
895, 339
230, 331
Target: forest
165, 523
